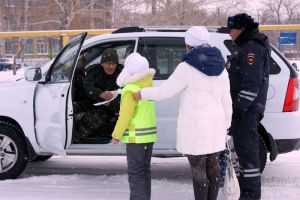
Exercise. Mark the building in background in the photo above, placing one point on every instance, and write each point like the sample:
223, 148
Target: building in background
34, 15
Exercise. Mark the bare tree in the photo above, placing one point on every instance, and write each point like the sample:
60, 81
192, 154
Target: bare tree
153, 7
22, 26
284, 11
125, 12
267, 17
68, 9
276, 7
17, 22
291, 7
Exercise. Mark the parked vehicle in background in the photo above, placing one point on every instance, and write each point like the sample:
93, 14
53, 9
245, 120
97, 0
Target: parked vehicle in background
7, 64
4, 66
43, 114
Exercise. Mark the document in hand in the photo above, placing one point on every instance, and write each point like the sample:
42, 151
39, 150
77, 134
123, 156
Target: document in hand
115, 94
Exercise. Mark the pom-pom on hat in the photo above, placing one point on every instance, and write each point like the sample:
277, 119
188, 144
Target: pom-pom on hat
135, 63
196, 36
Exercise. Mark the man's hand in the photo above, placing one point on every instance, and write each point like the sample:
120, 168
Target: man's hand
106, 95
137, 96
115, 141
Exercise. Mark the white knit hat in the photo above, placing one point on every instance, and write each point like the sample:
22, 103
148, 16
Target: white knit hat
134, 64
196, 36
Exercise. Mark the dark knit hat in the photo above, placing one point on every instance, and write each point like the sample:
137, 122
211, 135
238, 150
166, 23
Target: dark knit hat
241, 20
110, 55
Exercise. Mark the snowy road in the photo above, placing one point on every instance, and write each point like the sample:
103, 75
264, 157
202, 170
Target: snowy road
104, 178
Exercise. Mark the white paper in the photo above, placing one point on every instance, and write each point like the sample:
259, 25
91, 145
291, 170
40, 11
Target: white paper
115, 94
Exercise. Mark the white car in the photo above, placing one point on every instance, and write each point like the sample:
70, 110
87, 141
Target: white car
40, 115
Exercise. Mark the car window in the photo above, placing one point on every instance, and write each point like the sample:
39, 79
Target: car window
163, 54
274, 67
124, 48
61, 70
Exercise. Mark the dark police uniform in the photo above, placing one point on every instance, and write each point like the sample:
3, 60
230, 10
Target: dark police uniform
248, 69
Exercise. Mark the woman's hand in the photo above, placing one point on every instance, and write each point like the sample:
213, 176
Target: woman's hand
137, 96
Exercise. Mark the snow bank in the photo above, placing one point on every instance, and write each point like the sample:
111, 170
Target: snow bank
281, 179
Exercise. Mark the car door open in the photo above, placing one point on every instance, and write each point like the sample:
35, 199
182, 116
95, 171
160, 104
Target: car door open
51, 97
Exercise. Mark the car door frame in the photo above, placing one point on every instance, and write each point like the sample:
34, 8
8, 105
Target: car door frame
109, 148
52, 135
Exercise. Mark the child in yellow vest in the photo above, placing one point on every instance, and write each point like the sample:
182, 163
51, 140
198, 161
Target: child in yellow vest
136, 125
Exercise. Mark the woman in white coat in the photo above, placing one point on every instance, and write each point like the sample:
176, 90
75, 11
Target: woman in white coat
204, 112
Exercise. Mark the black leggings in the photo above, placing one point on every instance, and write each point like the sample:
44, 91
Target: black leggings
206, 173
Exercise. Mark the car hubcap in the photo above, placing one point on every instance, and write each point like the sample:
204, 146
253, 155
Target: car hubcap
8, 153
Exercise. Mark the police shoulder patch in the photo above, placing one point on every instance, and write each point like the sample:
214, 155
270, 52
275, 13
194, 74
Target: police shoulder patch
250, 58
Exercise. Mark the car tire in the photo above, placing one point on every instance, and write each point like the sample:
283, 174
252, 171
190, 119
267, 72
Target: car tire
13, 151
262, 154
41, 158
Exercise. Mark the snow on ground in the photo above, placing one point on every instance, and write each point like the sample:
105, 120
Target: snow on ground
8, 75
105, 178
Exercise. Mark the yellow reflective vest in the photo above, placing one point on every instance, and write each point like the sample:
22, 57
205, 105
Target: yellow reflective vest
142, 127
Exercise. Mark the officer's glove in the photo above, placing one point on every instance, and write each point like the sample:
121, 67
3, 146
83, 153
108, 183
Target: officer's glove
238, 114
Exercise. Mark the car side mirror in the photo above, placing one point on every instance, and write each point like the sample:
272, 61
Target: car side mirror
33, 74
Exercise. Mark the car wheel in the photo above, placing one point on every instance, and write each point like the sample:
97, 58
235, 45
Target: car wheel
262, 154
13, 151
41, 158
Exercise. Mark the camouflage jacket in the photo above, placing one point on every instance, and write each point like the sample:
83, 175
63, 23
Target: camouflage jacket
97, 81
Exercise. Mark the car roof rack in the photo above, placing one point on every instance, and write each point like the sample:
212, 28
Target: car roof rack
223, 29
217, 29
166, 28
132, 29
129, 29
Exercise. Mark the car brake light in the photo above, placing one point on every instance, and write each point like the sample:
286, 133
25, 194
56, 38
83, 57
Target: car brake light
292, 96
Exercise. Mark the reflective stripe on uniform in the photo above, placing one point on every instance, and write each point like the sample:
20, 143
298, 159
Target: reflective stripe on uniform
250, 172
246, 97
248, 93
141, 133
142, 127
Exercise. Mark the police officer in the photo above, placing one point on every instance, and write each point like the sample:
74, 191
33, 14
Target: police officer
248, 68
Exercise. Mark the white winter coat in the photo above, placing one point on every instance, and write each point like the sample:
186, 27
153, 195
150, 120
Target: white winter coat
205, 108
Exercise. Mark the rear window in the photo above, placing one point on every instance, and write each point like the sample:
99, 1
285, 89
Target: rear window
274, 67
163, 54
